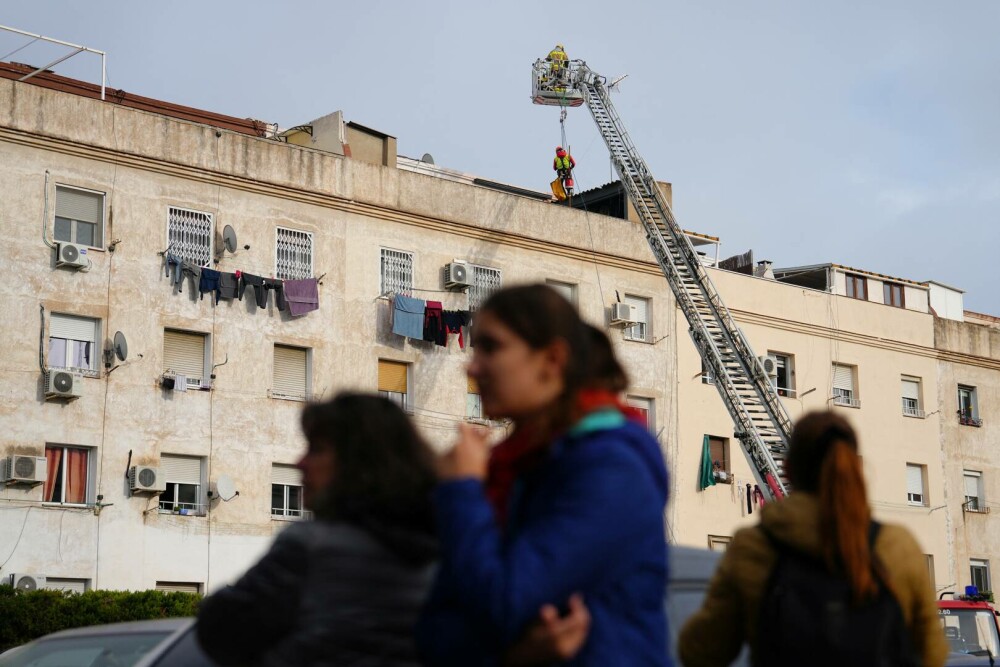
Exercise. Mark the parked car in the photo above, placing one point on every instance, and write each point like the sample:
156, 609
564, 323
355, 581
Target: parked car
169, 642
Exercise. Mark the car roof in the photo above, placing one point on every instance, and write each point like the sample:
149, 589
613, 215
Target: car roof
166, 625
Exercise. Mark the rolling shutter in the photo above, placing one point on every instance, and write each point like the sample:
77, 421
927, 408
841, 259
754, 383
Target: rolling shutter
181, 469
914, 480
289, 370
641, 307
971, 484
843, 377
471, 386
79, 205
184, 353
72, 327
69, 585
286, 474
911, 389
392, 376
178, 587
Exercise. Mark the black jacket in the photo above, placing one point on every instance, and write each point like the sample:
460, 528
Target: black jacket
327, 593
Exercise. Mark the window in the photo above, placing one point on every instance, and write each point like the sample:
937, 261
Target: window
485, 281
980, 574
286, 491
68, 585
784, 380
915, 476
857, 286
179, 587
73, 342
184, 355
473, 401
190, 235
892, 295
79, 216
291, 372
707, 377
968, 406
645, 408
397, 272
393, 381
640, 330
930, 571
911, 397
567, 290
718, 449
183, 475
719, 542
974, 501
67, 479
843, 386
293, 255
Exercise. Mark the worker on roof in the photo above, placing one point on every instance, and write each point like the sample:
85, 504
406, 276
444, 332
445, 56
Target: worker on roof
557, 61
564, 164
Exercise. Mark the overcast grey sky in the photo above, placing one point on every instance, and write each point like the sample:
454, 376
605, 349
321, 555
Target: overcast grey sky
866, 134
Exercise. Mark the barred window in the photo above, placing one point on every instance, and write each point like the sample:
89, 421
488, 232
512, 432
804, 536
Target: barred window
397, 272
293, 255
485, 281
190, 235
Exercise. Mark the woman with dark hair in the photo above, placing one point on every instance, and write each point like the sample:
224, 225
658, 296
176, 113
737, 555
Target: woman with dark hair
826, 521
346, 588
569, 506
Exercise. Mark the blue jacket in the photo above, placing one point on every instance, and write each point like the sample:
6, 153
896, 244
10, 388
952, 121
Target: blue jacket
589, 520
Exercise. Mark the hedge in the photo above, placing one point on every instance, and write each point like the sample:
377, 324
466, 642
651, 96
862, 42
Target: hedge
27, 615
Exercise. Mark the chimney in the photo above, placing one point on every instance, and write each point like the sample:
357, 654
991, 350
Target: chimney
763, 269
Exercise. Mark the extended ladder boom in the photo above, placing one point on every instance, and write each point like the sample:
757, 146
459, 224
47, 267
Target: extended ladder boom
762, 423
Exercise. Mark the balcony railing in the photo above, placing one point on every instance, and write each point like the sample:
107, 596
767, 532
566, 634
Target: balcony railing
969, 420
914, 412
182, 509
974, 506
847, 401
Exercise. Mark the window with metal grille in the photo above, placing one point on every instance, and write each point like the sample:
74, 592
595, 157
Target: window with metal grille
397, 272
79, 216
640, 330
190, 235
293, 254
291, 372
286, 491
183, 475
485, 281
915, 475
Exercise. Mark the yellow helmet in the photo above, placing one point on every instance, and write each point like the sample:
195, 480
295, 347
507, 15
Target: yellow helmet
559, 47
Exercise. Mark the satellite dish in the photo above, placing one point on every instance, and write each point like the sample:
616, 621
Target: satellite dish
225, 487
428, 158
229, 238
121, 346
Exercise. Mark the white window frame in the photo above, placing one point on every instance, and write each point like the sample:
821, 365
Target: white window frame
783, 359
288, 252
206, 365
88, 495
191, 235
719, 542
843, 396
99, 225
984, 565
569, 291
485, 281
175, 505
307, 380
968, 417
95, 355
977, 502
645, 405
395, 279
912, 406
289, 479
912, 497
640, 331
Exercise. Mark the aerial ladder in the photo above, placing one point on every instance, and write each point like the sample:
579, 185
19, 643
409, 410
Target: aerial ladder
761, 422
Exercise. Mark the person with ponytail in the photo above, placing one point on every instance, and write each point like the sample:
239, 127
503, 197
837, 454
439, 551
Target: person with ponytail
561, 521
825, 520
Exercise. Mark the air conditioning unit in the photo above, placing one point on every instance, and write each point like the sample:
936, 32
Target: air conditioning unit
456, 275
72, 255
27, 582
770, 365
623, 313
23, 469
146, 478
63, 384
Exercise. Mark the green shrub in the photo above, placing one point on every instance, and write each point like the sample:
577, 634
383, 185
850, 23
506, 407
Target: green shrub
27, 615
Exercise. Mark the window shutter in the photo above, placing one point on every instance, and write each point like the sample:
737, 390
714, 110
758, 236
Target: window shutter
392, 376
181, 469
641, 307
70, 585
289, 370
285, 474
914, 480
184, 353
79, 205
72, 327
178, 587
911, 389
472, 386
972, 484
717, 450
843, 377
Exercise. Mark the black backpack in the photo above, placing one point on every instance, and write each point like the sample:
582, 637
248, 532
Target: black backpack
807, 618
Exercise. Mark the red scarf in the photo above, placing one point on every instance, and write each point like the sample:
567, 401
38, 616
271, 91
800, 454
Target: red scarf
522, 453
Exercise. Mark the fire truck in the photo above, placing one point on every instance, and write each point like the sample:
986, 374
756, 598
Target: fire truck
970, 626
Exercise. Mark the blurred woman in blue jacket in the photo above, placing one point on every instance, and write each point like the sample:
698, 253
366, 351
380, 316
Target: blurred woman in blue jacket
570, 505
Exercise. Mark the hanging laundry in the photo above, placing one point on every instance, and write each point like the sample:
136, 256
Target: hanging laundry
454, 321
188, 269
434, 325
408, 316
302, 296
278, 287
743, 505
749, 499
229, 287
209, 282
173, 264
758, 496
705, 477
258, 288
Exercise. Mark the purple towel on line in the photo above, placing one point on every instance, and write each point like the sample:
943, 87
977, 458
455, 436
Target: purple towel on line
302, 296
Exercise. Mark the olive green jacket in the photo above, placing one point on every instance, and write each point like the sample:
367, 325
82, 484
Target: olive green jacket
728, 617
